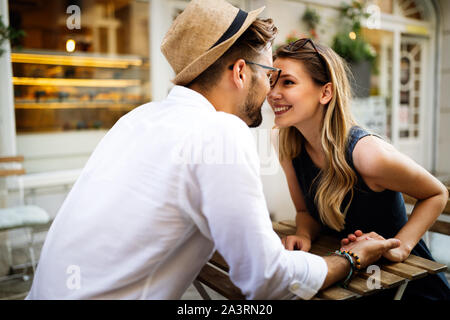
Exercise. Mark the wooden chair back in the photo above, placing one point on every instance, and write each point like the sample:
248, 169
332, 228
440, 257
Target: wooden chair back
11, 166
5, 172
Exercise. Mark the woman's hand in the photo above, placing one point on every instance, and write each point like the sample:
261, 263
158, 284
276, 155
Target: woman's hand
370, 249
296, 242
396, 255
351, 237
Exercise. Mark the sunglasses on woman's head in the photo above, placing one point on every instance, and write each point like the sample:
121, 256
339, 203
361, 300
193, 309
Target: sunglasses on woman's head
299, 44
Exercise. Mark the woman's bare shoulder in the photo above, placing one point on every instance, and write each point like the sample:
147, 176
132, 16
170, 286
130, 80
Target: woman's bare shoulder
370, 156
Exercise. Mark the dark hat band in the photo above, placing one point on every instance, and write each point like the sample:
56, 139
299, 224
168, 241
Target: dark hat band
234, 27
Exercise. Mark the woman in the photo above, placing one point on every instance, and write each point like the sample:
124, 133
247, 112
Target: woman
342, 178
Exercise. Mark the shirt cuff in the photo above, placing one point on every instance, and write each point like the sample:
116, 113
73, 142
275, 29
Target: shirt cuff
313, 278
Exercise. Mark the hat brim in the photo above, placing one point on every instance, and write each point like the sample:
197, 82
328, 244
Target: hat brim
195, 68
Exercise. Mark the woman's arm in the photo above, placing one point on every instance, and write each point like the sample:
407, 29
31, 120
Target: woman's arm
383, 167
307, 227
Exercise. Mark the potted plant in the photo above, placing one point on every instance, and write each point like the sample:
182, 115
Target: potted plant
311, 18
351, 45
8, 33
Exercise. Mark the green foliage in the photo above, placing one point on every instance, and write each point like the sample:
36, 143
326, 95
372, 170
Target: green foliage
353, 13
8, 33
311, 18
356, 49
353, 50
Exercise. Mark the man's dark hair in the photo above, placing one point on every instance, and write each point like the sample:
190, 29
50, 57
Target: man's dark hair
248, 46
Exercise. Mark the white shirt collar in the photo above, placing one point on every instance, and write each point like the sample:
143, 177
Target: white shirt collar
189, 97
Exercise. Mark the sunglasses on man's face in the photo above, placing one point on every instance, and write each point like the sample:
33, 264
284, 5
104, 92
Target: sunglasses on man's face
273, 75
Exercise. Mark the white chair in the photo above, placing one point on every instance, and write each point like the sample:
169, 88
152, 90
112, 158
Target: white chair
22, 216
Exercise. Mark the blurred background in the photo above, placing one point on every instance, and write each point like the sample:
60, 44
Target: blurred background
69, 69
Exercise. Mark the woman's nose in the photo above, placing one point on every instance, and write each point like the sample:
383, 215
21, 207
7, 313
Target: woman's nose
274, 94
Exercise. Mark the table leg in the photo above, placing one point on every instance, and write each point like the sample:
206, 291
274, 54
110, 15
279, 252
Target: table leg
201, 290
401, 290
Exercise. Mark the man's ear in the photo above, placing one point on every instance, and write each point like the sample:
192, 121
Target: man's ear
326, 93
238, 74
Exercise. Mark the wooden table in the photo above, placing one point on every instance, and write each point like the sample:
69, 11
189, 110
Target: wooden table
392, 275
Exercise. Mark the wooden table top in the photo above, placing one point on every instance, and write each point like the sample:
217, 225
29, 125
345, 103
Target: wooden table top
391, 274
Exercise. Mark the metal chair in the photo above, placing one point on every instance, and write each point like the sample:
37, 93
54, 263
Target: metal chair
22, 216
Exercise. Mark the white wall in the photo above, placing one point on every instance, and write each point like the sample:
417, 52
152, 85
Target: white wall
443, 165
160, 71
7, 123
7, 120
46, 152
287, 16
274, 182
439, 243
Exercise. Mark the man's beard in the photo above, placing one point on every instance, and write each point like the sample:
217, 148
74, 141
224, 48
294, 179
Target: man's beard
251, 108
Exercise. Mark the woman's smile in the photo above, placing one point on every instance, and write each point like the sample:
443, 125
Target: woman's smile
281, 109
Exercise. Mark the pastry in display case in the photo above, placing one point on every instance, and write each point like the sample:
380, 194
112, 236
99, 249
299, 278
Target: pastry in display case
59, 91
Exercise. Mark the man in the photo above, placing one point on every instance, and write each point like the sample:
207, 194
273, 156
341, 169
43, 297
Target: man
175, 180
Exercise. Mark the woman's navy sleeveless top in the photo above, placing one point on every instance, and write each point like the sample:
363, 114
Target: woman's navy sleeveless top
383, 212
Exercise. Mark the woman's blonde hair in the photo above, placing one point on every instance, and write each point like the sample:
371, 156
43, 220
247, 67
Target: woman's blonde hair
337, 179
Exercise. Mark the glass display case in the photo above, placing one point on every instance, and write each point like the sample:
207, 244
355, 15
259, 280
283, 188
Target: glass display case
59, 91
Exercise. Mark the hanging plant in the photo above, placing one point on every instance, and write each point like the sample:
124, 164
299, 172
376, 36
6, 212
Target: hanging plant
312, 19
8, 33
349, 42
353, 47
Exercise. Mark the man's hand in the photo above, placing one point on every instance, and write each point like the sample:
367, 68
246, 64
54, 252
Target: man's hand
296, 242
369, 248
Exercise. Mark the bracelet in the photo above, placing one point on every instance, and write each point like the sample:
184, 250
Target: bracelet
357, 259
356, 264
348, 255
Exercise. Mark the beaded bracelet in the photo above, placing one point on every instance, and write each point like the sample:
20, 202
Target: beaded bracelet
348, 255
357, 259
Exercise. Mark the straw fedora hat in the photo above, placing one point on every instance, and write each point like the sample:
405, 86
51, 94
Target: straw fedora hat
201, 34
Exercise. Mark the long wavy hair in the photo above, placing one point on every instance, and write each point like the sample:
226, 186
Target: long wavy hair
337, 179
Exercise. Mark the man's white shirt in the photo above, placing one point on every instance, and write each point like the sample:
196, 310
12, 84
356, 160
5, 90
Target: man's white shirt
169, 184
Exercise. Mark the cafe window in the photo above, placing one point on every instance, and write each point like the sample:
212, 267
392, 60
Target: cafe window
81, 64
